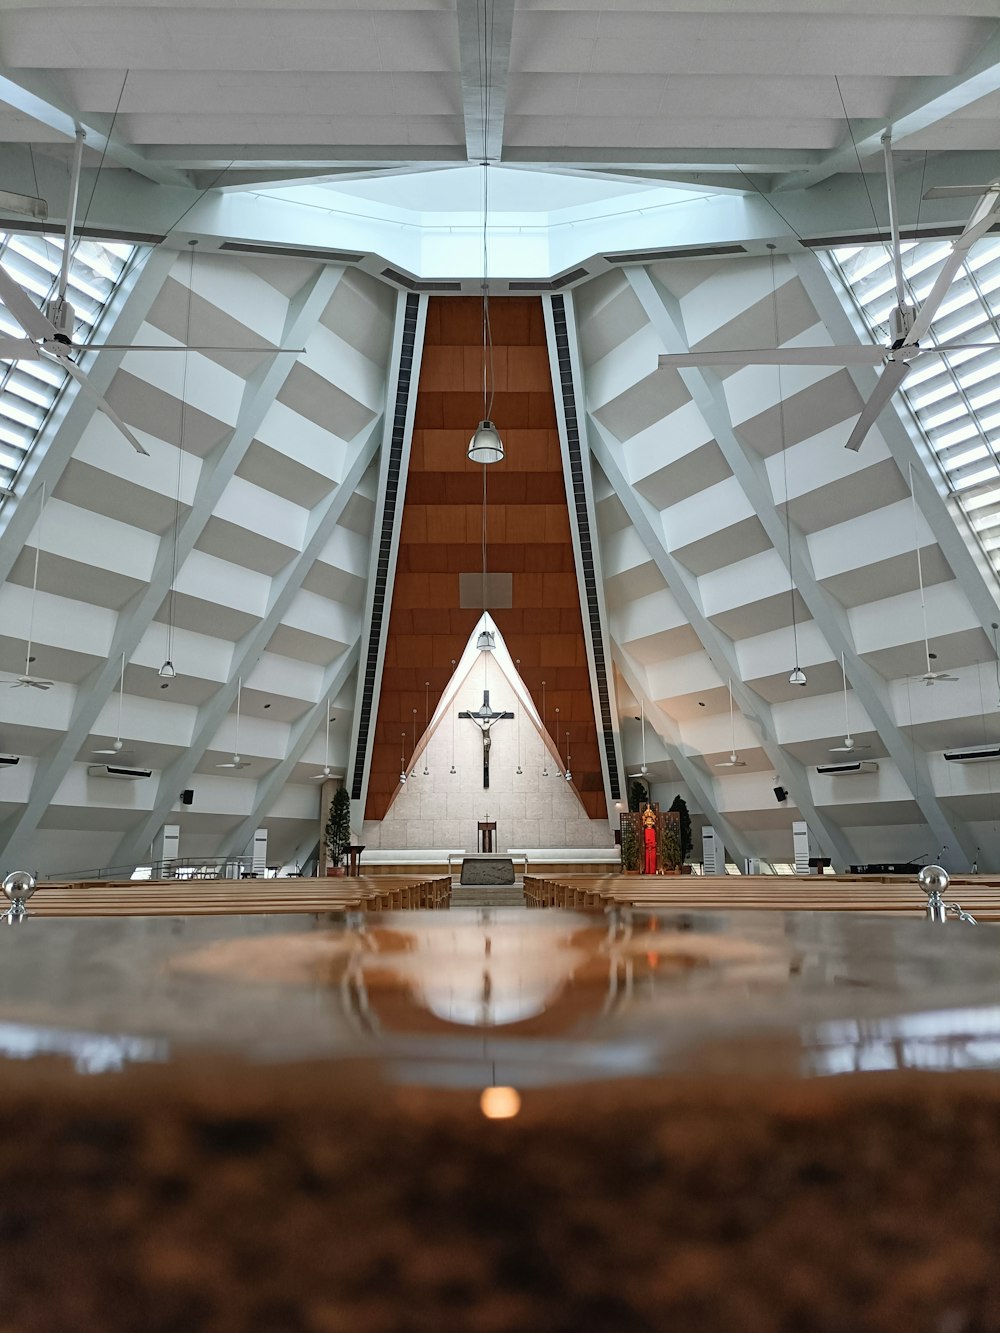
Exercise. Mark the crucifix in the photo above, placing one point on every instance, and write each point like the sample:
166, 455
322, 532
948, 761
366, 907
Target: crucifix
485, 719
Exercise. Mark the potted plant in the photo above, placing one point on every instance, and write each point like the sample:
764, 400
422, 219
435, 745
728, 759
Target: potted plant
679, 807
631, 848
338, 831
669, 844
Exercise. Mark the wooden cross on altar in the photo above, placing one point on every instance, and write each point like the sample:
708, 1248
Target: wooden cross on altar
485, 719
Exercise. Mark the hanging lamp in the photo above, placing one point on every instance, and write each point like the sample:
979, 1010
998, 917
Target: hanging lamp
486, 446
930, 676
167, 670
849, 744
118, 743
237, 761
322, 777
734, 761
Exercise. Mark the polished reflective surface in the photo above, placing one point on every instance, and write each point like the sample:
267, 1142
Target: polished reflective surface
509, 997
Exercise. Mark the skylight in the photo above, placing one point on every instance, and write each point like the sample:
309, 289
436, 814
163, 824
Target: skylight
28, 389
955, 398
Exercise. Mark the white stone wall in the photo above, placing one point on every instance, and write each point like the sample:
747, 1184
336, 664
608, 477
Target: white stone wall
441, 810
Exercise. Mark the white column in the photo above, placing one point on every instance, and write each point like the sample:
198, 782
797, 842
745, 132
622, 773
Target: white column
167, 846
258, 863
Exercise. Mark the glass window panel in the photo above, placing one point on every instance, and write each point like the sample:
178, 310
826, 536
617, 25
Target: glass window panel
953, 397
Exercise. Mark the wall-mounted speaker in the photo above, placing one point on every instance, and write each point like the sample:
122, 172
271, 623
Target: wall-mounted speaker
187, 796
780, 794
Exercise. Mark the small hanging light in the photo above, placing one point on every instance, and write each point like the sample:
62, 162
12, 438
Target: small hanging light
402, 757
486, 641
167, 670
568, 775
486, 445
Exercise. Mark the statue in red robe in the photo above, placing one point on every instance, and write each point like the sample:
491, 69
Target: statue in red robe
649, 841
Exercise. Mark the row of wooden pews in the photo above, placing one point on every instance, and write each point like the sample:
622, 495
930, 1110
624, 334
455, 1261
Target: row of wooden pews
221, 897
979, 895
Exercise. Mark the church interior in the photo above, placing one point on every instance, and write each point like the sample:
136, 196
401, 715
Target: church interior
499, 665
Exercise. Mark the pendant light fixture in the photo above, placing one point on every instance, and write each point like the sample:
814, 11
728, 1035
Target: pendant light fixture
796, 676
849, 744
517, 723
427, 705
413, 747
453, 703
28, 681
545, 735
322, 777
734, 761
237, 761
402, 757
642, 719
167, 670
118, 743
486, 446
930, 677
568, 774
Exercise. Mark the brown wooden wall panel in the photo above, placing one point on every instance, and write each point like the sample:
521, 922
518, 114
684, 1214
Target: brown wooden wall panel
528, 536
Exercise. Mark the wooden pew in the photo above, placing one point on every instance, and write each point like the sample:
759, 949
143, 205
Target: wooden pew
978, 895
197, 897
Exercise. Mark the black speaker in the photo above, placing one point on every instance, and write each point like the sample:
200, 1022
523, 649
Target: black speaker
187, 796
780, 794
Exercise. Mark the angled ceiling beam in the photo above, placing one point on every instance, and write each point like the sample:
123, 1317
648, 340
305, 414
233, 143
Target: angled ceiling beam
302, 732
664, 312
928, 102
323, 518
214, 157
304, 312
33, 95
484, 28
648, 523
753, 160
50, 455
702, 788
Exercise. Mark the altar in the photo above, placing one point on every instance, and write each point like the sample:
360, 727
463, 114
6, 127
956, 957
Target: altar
487, 868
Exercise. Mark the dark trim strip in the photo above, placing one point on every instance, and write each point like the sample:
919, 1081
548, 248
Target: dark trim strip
593, 610
391, 503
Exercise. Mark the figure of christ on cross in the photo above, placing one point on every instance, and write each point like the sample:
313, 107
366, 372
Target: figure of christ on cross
485, 719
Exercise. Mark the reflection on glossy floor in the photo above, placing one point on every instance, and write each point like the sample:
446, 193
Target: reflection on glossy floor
510, 996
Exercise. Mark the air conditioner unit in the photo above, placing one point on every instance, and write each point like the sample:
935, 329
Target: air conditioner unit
122, 774
9, 760
975, 754
847, 770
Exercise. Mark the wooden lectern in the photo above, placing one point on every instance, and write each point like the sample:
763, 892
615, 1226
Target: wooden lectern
353, 856
487, 828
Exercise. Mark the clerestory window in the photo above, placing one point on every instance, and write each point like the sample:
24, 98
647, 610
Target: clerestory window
954, 398
28, 389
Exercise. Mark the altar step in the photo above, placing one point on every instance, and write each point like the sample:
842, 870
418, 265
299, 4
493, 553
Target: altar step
487, 895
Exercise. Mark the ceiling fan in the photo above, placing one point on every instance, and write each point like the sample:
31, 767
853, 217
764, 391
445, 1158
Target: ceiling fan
237, 760
734, 761
50, 330
908, 323
117, 746
28, 681
322, 777
849, 744
930, 676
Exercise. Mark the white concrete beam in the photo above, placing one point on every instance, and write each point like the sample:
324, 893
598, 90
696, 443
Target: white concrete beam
484, 28
721, 650
927, 103
750, 469
304, 313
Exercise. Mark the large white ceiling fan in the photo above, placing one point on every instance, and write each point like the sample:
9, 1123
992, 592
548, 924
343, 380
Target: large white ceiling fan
908, 323
50, 330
